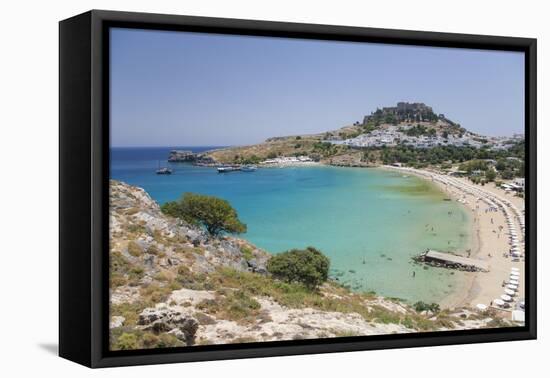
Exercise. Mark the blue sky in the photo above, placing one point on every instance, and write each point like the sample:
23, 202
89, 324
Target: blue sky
187, 89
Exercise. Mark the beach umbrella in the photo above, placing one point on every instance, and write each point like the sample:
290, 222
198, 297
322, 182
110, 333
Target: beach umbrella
499, 302
481, 307
512, 287
514, 269
509, 292
506, 298
513, 282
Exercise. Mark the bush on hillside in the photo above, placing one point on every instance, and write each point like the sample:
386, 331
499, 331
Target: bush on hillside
422, 306
308, 266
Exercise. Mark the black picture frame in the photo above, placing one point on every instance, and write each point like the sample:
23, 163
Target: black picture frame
84, 178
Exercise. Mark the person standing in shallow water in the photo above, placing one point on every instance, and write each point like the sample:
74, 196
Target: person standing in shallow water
414, 273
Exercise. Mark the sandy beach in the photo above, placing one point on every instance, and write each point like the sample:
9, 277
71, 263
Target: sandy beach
490, 207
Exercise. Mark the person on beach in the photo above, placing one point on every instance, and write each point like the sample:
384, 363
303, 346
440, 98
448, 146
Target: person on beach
414, 273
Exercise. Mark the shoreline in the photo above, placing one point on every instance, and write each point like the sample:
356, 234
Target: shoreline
489, 207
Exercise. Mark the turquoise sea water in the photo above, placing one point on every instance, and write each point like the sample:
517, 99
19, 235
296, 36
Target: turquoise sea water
368, 221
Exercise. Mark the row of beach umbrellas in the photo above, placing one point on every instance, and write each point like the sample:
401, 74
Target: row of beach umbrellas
510, 290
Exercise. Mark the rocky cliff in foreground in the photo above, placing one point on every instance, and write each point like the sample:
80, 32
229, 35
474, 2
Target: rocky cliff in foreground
172, 285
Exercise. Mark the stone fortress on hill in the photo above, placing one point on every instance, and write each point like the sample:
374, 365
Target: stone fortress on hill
405, 111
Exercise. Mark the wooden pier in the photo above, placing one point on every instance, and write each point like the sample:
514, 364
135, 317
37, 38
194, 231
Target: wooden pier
453, 261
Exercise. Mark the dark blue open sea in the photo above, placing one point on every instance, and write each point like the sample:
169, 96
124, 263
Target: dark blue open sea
368, 221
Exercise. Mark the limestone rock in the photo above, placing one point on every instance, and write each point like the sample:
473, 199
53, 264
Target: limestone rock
116, 321
163, 319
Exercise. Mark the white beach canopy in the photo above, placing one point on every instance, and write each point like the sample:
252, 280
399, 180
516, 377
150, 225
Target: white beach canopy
481, 307
512, 287
509, 292
499, 302
514, 269
506, 298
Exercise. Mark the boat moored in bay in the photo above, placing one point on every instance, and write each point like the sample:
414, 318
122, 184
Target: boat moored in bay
228, 168
249, 168
163, 170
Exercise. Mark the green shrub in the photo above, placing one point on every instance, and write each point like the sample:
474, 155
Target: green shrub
214, 214
422, 306
247, 252
127, 341
309, 267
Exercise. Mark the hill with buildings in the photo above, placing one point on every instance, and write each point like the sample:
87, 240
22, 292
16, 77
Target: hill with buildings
406, 126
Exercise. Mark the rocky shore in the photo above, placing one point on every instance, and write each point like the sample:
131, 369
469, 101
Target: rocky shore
173, 285
185, 156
